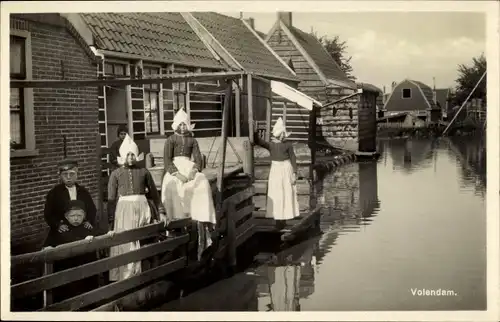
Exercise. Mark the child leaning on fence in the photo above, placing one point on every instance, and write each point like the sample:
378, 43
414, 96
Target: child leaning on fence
75, 217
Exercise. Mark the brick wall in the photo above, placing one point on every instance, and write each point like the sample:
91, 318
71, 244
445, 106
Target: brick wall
340, 122
65, 111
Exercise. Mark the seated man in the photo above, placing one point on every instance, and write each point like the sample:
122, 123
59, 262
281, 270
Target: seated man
74, 218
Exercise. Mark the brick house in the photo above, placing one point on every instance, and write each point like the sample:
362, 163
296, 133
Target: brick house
350, 124
47, 122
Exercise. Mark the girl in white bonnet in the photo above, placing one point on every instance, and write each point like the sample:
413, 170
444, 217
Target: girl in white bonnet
282, 203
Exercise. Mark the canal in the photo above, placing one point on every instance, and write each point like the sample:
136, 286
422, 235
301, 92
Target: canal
410, 224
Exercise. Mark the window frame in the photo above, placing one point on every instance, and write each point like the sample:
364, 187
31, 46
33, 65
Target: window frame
403, 95
148, 89
27, 113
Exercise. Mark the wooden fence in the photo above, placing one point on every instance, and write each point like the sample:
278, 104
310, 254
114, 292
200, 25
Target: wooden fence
161, 258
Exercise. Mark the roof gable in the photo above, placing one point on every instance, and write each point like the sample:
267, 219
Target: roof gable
245, 46
162, 36
326, 65
424, 90
62, 20
427, 92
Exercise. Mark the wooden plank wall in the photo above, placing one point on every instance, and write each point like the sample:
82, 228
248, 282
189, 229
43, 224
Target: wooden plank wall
367, 122
261, 91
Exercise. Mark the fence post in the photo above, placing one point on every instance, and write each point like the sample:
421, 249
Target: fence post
47, 294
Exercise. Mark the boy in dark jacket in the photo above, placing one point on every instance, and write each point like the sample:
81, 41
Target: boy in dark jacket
74, 218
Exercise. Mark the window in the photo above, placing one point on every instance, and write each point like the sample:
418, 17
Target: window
152, 103
22, 142
406, 93
179, 96
115, 69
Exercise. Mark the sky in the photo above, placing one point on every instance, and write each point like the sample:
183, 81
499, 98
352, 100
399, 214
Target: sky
392, 46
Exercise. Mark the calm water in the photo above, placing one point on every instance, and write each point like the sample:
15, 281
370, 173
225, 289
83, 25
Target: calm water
416, 219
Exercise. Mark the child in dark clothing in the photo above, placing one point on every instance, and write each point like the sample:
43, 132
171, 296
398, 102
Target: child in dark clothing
282, 203
74, 217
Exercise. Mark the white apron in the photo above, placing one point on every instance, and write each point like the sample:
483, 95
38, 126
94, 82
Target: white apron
131, 212
282, 202
193, 198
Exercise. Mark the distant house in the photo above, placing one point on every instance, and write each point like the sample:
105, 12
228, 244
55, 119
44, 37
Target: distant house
413, 97
349, 124
47, 123
443, 96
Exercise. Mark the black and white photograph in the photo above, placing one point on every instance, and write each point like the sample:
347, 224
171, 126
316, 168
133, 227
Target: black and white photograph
251, 157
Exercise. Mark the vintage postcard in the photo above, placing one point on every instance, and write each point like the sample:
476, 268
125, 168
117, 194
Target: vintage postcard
250, 160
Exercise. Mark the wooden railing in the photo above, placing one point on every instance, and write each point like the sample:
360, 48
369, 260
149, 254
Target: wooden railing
168, 255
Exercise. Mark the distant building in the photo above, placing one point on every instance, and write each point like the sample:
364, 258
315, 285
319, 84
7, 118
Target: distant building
413, 97
349, 124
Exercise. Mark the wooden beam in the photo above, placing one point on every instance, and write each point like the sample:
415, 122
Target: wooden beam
239, 214
165, 79
265, 80
188, 101
237, 106
250, 107
245, 231
238, 197
220, 169
312, 142
284, 113
231, 235
85, 246
269, 118
116, 288
139, 299
93, 268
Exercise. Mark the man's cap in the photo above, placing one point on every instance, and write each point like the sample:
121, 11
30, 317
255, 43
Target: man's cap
67, 164
75, 205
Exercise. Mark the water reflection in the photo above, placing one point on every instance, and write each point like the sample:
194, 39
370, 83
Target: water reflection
412, 220
428, 232
287, 278
469, 154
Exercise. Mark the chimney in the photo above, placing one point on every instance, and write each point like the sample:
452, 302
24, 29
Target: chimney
251, 22
286, 18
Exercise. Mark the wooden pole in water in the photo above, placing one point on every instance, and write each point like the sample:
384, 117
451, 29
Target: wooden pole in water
312, 148
463, 104
220, 168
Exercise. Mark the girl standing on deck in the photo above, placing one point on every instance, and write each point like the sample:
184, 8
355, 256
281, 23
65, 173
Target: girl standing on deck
282, 203
128, 207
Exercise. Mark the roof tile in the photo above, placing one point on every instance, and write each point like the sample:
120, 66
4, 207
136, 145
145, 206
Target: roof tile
319, 55
165, 36
243, 45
